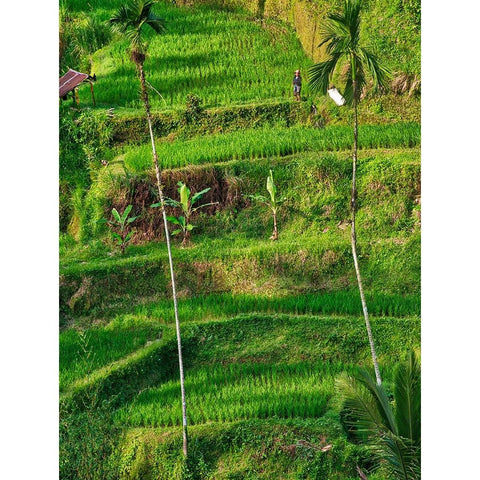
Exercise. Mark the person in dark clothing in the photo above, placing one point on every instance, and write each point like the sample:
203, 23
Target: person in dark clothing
297, 85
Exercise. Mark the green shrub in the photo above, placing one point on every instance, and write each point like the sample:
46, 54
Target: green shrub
87, 439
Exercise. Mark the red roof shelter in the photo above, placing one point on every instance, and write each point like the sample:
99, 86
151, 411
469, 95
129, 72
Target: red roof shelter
73, 79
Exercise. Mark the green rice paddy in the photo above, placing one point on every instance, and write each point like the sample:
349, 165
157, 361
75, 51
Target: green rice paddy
269, 142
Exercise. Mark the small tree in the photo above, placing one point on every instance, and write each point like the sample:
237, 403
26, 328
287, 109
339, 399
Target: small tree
341, 35
391, 429
273, 203
120, 226
130, 20
186, 204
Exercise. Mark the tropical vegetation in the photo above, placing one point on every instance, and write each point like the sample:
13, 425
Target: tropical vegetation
203, 126
392, 431
186, 204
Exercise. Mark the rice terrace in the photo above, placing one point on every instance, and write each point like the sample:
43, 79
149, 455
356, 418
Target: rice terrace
239, 239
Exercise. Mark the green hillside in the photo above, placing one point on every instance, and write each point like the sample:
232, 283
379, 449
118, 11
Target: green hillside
220, 56
268, 327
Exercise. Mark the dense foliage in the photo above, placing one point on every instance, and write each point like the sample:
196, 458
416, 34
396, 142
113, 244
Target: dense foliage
267, 327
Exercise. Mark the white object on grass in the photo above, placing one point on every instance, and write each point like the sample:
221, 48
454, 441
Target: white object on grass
336, 96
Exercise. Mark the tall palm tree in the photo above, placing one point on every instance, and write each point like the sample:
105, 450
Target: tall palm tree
391, 429
341, 37
130, 20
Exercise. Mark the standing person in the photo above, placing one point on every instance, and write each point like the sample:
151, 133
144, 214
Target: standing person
297, 85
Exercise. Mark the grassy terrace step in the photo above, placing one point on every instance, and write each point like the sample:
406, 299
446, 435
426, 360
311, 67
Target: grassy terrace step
121, 378
83, 351
129, 126
248, 351
316, 184
261, 268
258, 368
237, 392
244, 339
266, 449
220, 249
207, 307
268, 142
81, 385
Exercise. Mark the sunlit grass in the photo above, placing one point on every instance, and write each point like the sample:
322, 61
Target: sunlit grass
223, 57
269, 142
342, 302
83, 351
237, 391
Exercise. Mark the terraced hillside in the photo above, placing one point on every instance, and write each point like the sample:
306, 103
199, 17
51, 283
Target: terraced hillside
214, 54
267, 326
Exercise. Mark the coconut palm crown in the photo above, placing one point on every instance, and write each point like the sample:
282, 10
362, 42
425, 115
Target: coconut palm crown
130, 20
341, 37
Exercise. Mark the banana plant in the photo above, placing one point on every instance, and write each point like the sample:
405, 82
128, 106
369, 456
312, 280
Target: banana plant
273, 203
186, 203
120, 226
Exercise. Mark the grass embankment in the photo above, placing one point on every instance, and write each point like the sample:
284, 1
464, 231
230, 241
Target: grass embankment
246, 338
237, 368
269, 142
264, 449
267, 366
83, 351
267, 326
113, 339
231, 251
316, 186
313, 276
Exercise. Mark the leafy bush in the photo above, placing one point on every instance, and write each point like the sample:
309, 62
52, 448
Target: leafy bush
87, 440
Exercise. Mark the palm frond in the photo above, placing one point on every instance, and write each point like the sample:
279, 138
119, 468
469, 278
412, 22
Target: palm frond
391, 436
364, 415
381, 399
319, 75
402, 457
351, 14
408, 399
130, 18
359, 77
340, 35
120, 21
157, 23
344, 24
334, 29
380, 74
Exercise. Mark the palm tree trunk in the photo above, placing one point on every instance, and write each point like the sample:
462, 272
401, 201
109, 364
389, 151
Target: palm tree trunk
141, 75
354, 237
